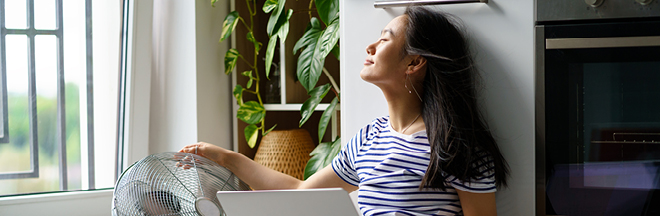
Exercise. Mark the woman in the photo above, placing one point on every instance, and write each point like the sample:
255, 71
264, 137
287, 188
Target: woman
433, 154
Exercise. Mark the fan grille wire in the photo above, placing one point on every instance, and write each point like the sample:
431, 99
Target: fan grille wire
160, 185
198, 177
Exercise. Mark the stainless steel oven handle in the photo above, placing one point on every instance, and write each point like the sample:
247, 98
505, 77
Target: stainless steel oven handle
611, 42
387, 4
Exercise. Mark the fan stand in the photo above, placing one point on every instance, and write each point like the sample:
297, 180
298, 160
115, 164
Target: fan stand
206, 207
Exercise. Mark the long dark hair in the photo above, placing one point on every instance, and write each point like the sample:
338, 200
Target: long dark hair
459, 138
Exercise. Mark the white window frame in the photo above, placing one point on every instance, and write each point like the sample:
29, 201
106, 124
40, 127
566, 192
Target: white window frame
135, 135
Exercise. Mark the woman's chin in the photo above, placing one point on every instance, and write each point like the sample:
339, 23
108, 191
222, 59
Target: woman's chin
371, 76
363, 74
367, 78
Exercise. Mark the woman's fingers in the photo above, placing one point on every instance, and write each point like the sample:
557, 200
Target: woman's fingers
186, 160
184, 149
193, 148
203, 149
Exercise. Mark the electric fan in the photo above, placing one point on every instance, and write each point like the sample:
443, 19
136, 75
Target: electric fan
173, 184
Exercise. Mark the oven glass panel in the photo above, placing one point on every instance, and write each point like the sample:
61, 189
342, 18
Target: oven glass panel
620, 107
603, 131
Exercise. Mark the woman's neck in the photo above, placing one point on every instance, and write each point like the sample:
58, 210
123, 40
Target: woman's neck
405, 111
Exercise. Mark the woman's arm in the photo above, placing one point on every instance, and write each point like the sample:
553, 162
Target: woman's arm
477, 203
260, 177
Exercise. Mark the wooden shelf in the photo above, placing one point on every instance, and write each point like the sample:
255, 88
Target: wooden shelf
294, 107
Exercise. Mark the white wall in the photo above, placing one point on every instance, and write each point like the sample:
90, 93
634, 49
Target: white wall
173, 113
502, 34
214, 98
190, 94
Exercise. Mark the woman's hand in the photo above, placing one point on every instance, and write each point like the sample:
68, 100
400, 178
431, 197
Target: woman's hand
207, 150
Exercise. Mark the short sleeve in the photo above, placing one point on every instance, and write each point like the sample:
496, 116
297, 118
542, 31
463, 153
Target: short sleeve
344, 163
483, 184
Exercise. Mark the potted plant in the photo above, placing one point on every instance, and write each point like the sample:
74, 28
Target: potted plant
314, 46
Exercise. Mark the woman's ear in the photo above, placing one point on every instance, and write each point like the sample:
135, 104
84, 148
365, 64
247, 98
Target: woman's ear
417, 63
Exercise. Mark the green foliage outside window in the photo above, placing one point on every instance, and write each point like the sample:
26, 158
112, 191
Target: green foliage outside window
16, 154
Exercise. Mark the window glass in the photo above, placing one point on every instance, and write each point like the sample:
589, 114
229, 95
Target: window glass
44, 14
15, 14
106, 15
88, 59
76, 94
46, 79
15, 155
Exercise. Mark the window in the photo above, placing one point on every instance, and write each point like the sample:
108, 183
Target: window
59, 61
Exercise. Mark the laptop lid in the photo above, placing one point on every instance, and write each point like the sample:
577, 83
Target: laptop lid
319, 202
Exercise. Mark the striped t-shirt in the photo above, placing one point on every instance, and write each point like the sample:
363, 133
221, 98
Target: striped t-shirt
388, 167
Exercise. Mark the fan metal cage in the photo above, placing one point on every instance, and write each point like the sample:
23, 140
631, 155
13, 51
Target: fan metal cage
173, 184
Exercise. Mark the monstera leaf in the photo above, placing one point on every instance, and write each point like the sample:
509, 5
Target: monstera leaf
317, 44
269, 5
275, 21
335, 52
282, 32
328, 10
322, 156
325, 118
316, 95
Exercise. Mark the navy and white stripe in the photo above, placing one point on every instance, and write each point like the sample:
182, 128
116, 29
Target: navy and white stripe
388, 167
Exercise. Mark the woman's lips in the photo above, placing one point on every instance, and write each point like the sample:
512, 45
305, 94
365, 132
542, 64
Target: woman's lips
368, 62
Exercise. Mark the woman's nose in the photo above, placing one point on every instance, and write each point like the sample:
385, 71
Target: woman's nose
371, 49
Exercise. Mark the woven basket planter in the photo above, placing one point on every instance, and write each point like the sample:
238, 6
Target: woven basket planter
286, 151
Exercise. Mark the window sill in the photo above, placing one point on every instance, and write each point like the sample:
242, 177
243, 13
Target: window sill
97, 202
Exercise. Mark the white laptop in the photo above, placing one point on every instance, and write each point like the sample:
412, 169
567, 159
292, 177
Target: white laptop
318, 202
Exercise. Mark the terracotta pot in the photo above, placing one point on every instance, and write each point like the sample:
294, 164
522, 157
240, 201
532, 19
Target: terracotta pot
286, 151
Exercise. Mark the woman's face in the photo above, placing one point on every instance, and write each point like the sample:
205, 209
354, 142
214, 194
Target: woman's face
384, 63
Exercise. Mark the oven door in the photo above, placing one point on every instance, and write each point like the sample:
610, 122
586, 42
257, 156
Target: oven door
598, 119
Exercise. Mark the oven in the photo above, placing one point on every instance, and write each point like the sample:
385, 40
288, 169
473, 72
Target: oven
597, 107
